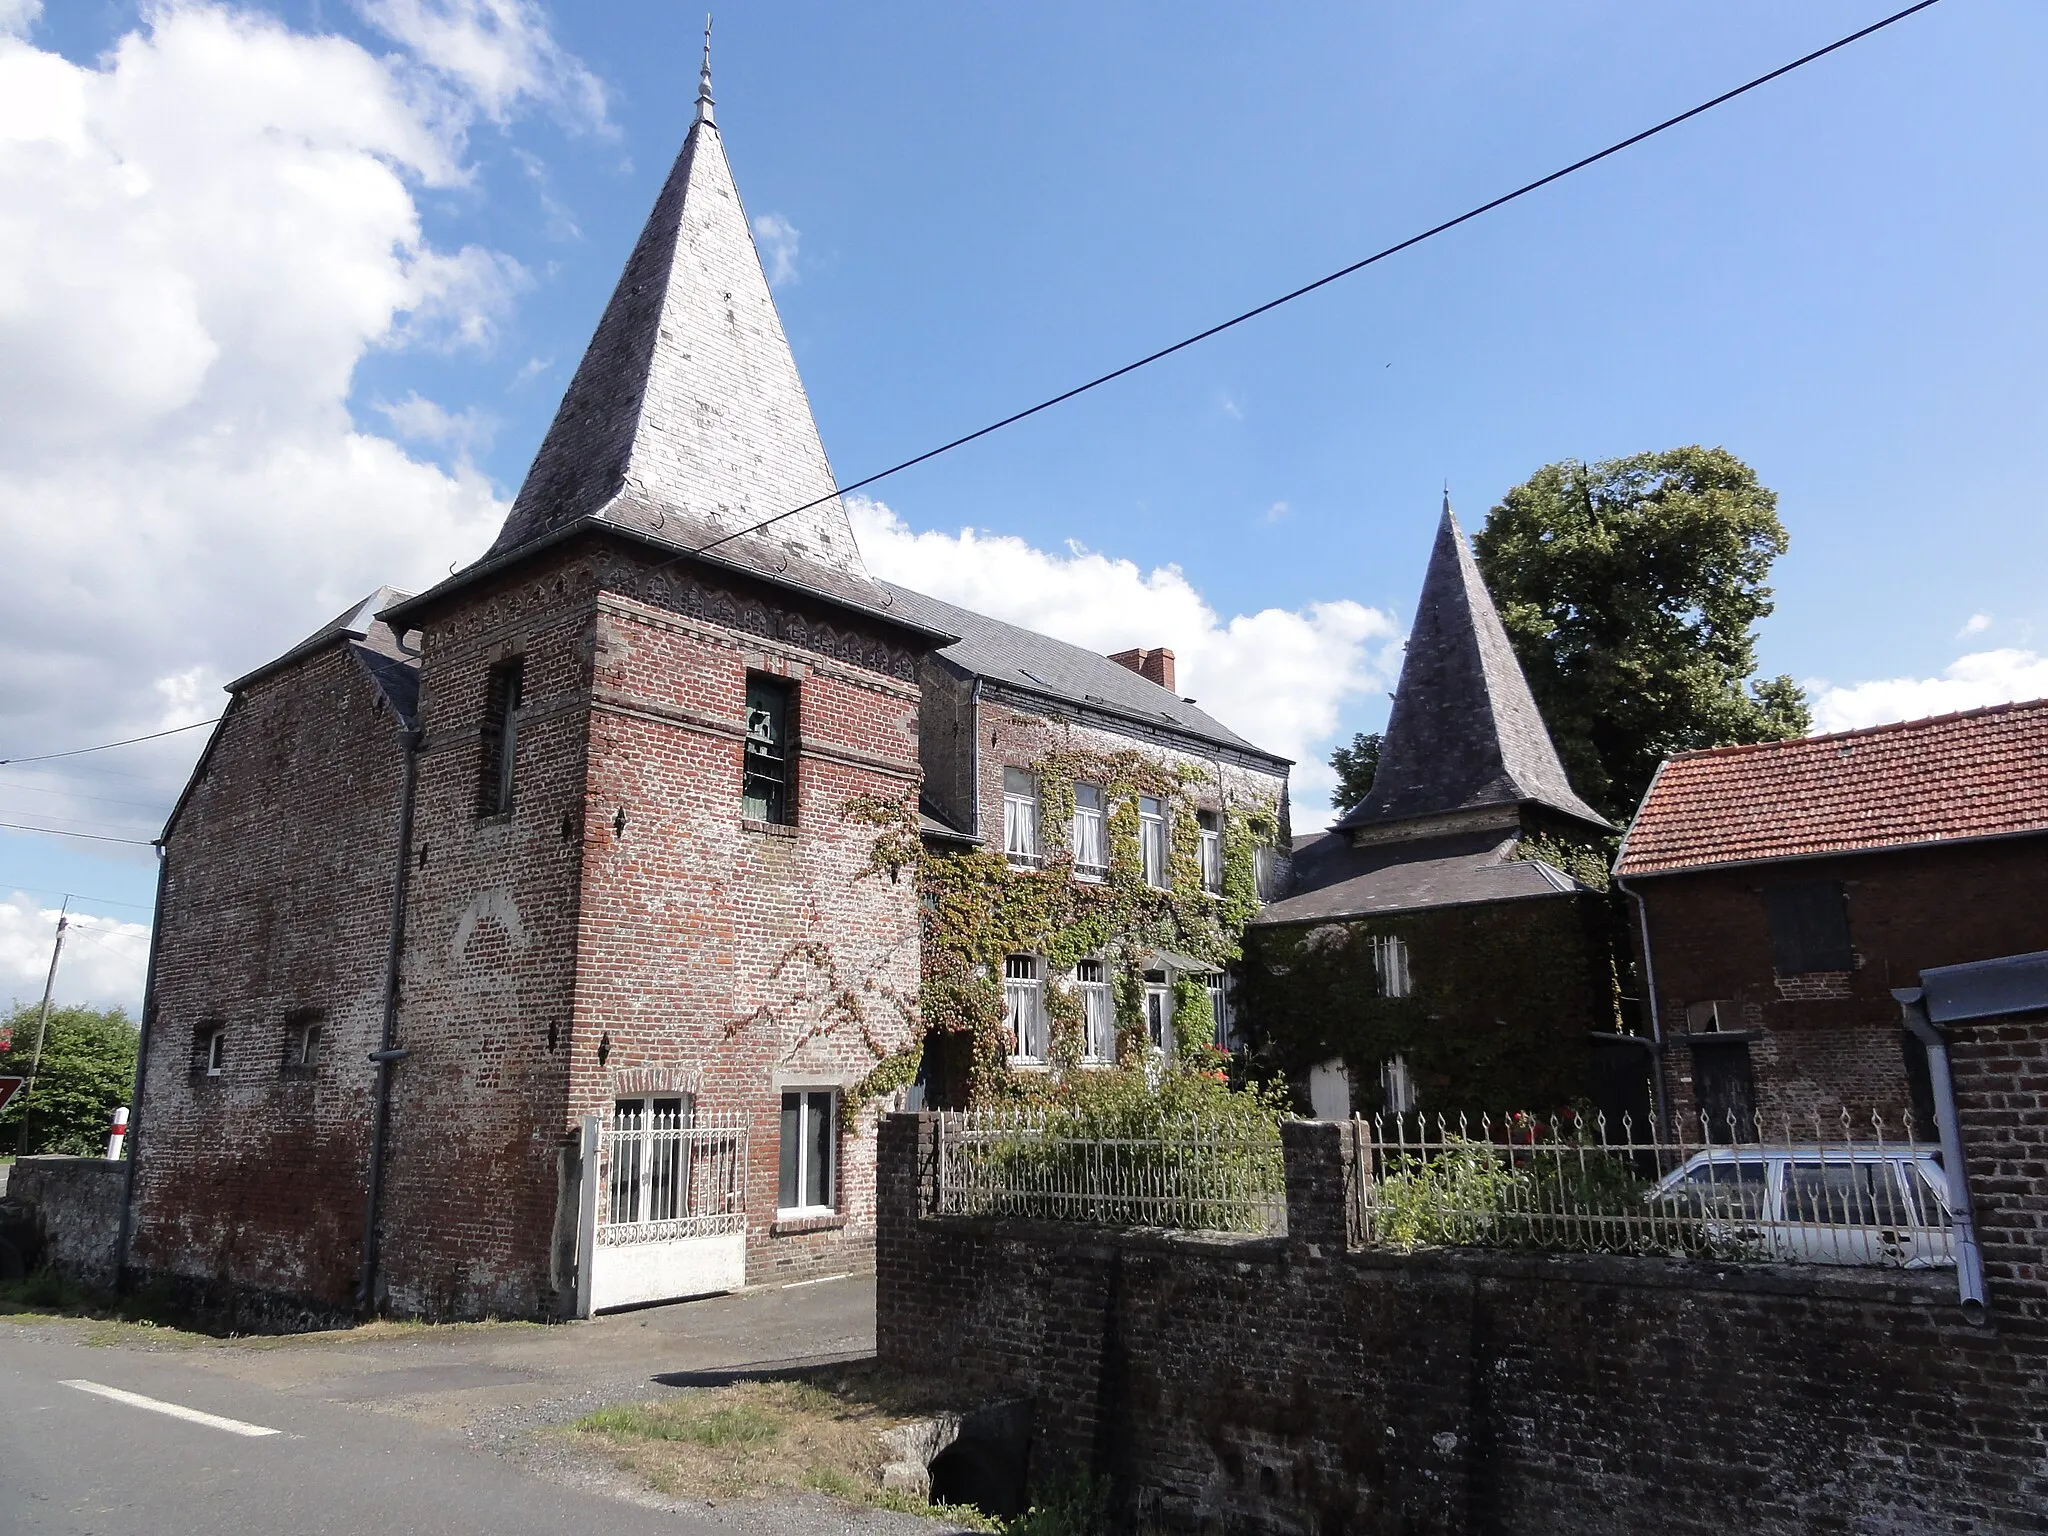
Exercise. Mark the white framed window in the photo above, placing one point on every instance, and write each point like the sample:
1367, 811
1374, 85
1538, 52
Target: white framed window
1159, 1011
1265, 871
1020, 815
1091, 839
1210, 836
648, 1179
1098, 1011
212, 1055
1219, 986
1152, 839
810, 1152
1398, 1084
1024, 1008
1390, 960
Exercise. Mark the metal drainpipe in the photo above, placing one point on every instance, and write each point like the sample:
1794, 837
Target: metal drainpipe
974, 759
389, 1053
136, 1117
1969, 1257
1650, 996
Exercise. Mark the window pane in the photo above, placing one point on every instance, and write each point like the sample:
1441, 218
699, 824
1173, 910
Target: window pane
786, 1195
628, 1122
764, 790
1020, 813
1089, 848
818, 1162
1843, 1194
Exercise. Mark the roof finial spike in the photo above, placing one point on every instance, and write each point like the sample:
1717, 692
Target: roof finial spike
1447, 498
704, 80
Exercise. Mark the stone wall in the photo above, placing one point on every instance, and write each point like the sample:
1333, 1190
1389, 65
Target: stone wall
1305, 1384
77, 1204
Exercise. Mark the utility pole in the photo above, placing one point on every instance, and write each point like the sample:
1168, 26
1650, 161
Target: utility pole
42, 1027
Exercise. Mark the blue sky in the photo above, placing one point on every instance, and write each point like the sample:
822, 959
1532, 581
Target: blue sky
1837, 278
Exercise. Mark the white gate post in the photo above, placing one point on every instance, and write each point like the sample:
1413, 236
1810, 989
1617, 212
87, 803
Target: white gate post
587, 1196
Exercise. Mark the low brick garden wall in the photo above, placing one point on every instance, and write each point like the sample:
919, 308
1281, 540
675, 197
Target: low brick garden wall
1303, 1384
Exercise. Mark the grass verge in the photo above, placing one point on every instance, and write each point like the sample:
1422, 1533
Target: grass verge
820, 1432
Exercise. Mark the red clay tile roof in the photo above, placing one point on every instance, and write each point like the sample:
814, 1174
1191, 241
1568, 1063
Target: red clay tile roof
1981, 773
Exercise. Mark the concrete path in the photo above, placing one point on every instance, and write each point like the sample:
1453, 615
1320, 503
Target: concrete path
107, 1430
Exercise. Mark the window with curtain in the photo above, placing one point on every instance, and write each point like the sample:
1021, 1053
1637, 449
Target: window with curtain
1024, 1008
1098, 1011
1020, 815
1091, 840
1152, 839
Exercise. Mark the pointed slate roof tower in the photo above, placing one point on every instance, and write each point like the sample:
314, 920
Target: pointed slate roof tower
686, 421
1465, 736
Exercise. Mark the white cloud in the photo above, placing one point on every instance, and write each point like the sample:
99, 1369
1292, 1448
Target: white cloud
19, 17
1276, 511
420, 420
1976, 625
778, 240
1280, 677
1969, 682
201, 236
102, 964
498, 53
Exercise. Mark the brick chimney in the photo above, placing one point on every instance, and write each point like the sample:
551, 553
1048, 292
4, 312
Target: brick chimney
1155, 664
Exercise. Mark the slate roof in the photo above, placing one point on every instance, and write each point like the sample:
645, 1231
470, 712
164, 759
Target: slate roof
1980, 773
1336, 880
377, 648
1033, 663
686, 420
1465, 733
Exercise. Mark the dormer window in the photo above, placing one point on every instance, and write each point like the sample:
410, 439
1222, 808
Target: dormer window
1020, 816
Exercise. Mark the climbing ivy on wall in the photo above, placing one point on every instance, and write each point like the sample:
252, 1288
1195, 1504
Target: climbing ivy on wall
978, 908
1504, 997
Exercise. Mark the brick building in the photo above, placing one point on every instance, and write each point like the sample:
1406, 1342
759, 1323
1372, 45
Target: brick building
596, 833
1098, 843
1783, 890
1433, 953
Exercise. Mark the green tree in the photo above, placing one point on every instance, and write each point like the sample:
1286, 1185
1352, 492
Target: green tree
1631, 590
88, 1069
1357, 765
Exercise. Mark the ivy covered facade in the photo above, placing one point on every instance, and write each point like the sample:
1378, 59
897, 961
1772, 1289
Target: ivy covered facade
1092, 847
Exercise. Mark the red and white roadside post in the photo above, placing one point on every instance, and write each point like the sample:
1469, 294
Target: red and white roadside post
118, 1134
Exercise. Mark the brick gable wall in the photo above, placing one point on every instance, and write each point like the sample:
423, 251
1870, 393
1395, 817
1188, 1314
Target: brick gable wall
1829, 1039
276, 899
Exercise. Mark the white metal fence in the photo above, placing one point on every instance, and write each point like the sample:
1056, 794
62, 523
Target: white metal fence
672, 1173
1821, 1189
1220, 1176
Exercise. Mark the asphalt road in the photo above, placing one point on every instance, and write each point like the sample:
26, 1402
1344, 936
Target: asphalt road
432, 1431
77, 1463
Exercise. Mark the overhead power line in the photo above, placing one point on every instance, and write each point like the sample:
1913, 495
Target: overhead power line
94, 837
130, 741
1322, 282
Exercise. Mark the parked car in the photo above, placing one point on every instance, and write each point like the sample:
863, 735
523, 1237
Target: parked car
1822, 1204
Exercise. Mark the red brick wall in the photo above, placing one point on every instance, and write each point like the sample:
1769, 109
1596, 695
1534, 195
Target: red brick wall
276, 898
1829, 1040
743, 958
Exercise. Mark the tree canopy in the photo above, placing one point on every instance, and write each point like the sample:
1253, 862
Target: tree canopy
1356, 766
1631, 590
88, 1069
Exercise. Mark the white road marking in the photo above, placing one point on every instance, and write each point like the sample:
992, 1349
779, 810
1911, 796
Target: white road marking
175, 1410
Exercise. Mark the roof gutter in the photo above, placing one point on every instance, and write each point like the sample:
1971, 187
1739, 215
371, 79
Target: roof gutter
1863, 851
1912, 1003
